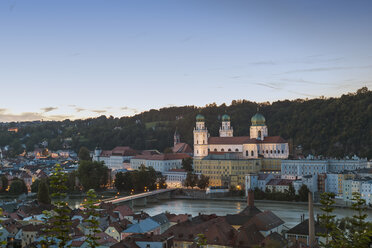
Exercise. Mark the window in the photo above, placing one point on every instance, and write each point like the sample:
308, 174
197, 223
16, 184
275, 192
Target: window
222, 150
215, 149
252, 153
203, 142
271, 151
246, 153
236, 149
267, 151
229, 150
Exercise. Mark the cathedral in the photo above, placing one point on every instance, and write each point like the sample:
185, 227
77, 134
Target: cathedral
258, 145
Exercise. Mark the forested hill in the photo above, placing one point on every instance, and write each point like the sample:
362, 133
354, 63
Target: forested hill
332, 127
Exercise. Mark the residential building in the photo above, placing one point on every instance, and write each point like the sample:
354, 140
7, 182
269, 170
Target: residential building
160, 162
295, 169
115, 158
258, 180
147, 225
279, 185
175, 177
366, 191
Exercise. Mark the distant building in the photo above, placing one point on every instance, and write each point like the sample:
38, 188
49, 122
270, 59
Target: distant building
257, 180
180, 147
160, 162
175, 177
115, 158
278, 185
258, 144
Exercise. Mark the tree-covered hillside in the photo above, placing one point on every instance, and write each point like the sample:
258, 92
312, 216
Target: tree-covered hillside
331, 127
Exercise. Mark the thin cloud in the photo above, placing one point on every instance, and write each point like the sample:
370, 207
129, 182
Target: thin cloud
325, 69
77, 109
129, 109
48, 109
99, 111
270, 85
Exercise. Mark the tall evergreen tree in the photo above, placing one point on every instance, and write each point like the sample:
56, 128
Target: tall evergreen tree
43, 193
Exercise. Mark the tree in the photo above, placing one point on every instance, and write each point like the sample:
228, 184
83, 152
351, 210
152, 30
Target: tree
291, 192
84, 154
303, 193
124, 181
327, 219
191, 180
90, 209
92, 175
56, 232
161, 182
35, 186
43, 193
4, 183
203, 182
187, 164
18, 187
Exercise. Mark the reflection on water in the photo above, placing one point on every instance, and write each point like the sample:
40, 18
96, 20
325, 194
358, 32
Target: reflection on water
290, 213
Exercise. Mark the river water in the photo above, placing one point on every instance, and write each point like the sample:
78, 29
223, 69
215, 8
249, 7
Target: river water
289, 213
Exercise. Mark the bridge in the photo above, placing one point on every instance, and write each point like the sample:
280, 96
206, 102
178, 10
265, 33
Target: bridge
143, 198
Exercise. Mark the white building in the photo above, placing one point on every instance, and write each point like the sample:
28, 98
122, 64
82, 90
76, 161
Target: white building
175, 177
353, 164
293, 169
257, 180
258, 144
334, 183
366, 191
160, 162
115, 158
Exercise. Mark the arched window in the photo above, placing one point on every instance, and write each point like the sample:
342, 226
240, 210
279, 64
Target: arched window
267, 151
252, 153
274, 151
203, 142
222, 150
246, 153
271, 151
283, 151
197, 142
215, 149
236, 149
229, 150
197, 151
209, 150
259, 134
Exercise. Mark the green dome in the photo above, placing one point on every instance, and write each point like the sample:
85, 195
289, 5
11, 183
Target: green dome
258, 120
225, 117
200, 117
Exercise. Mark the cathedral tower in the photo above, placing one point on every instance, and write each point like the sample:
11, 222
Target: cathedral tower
201, 136
226, 130
258, 129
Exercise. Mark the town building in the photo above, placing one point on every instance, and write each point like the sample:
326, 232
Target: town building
115, 158
257, 180
175, 177
160, 162
278, 185
180, 147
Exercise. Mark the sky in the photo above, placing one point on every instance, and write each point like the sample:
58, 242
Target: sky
86, 58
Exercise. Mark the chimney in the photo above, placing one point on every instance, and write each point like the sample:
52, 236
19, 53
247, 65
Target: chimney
311, 222
250, 198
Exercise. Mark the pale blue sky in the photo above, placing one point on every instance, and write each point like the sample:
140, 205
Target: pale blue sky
83, 58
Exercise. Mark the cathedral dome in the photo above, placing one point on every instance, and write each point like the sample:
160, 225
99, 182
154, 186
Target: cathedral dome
258, 120
200, 117
225, 117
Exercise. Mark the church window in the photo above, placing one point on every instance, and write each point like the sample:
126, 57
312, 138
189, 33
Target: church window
236, 149
267, 151
271, 151
252, 153
209, 150
259, 134
246, 153
283, 151
197, 151
197, 142
222, 150
274, 151
229, 150
215, 149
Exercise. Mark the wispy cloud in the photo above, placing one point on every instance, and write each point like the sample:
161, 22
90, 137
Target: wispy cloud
134, 110
77, 109
48, 109
99, 111
325, 69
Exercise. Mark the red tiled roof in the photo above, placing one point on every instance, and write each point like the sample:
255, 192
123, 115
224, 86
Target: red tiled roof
266, 221
244, 140
123, 151
165, 156
124, 210
182, 148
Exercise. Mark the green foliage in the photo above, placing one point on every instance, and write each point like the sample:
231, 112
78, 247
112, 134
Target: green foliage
332, 128
201, 240
92, 175
90, 209
191, 180
347, 232
161, 182
84, 154
303, 193
203, 182
35, 186
139, 180
43, 193
187, 164
18, 187
58, 222
4, 183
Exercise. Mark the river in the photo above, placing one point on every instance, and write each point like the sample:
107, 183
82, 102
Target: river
289, 213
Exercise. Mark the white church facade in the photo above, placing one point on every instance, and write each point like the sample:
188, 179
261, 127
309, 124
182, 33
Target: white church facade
258, 145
